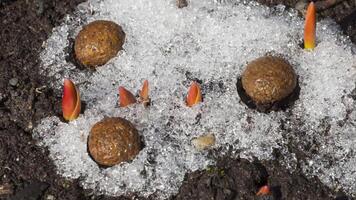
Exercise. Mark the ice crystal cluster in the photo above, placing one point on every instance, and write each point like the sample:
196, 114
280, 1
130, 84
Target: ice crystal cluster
211, 42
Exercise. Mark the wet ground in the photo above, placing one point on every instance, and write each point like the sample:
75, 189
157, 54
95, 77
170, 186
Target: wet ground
26, 172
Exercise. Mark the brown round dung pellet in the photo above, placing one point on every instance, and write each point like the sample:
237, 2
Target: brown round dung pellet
98, 42
113, 140
268, 79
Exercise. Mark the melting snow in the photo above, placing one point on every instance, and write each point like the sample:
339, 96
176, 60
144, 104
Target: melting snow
211, 42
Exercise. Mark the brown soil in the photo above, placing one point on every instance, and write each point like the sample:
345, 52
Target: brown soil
241, 179
26, 171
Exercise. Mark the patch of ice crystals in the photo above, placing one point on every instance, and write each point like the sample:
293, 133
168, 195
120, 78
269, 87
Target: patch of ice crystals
212, 42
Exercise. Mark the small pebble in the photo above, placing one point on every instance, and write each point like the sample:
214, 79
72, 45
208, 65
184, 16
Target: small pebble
301, 6
30, 126
2, 97
13, 82
50, 197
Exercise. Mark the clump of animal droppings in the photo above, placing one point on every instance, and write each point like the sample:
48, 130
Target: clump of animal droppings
98, 42
204, 142
268, 79
113, 140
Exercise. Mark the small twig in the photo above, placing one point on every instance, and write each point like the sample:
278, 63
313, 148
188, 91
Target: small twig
39, 89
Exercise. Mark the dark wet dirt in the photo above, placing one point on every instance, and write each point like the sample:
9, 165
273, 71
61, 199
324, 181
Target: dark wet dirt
26, 171
281, 105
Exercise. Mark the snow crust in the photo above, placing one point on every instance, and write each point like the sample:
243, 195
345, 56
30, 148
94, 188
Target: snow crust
210, 41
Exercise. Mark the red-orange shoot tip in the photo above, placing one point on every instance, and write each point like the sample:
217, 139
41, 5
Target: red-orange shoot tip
144, 97
194, 95
263, 191
144, 91
70, 101
309, 27
126, 97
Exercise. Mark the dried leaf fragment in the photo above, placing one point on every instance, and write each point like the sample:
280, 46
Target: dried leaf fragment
204, 142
